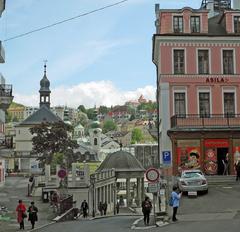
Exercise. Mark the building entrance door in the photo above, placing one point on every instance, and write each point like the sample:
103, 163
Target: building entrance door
221, 156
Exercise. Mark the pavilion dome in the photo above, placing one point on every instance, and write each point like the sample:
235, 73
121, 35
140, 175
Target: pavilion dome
121, 161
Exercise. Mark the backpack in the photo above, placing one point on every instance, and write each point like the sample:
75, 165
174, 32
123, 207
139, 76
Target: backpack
170, 201
147, 205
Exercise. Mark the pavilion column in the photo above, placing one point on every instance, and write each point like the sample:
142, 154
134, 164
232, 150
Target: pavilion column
139, 200
74, 168
143, 189
128, 191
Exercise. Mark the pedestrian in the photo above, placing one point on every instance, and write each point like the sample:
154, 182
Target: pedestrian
117, 207
146, 209
84, 208
226, 165
175, 195
55, 198
105, 208
32, 216
237, 168
21, 213
100, 208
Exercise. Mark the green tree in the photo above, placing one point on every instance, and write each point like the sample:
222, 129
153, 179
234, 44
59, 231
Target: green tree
109, 125
137, 135
103, 110
82, 118
82, 109
51, 138
91, 113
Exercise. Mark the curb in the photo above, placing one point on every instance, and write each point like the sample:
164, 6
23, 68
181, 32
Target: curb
158, 224
117, 215
41, 227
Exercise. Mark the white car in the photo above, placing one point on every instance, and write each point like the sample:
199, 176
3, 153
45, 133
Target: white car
192, 180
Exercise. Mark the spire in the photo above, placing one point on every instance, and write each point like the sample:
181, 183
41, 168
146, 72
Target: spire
44, 88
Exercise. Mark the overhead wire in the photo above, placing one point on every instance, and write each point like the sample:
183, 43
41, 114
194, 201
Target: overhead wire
65, 20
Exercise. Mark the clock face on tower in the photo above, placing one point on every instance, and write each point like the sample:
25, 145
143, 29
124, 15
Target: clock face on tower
95, 132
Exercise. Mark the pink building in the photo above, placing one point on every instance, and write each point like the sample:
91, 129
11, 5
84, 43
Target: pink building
198, 64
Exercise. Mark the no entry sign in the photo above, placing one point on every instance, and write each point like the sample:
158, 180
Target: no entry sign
152, 175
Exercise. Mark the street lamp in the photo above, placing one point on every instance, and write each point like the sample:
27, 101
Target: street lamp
92, 182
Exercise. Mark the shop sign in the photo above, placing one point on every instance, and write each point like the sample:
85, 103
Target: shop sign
216, 80
216, 143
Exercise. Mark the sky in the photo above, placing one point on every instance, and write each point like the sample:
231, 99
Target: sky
104, 58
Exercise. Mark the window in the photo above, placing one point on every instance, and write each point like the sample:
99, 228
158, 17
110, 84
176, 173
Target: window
178, 24
195, 24
179, 62
95, 141
237, 24
180, 105
229, 104
204, 105
203, 62
227, 61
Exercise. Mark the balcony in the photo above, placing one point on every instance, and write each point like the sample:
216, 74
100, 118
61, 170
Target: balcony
211, 121
2, 6
6, 96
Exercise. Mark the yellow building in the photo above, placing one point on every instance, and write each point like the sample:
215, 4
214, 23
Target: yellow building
16, 113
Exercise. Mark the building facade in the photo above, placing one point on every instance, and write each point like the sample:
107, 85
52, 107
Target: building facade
197, 59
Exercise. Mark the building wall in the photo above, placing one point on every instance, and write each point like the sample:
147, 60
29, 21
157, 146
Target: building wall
23, 139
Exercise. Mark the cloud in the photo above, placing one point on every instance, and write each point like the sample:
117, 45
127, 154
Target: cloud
89, 94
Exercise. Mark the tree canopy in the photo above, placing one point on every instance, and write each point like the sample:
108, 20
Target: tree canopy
137, 135
51, 138
109, 125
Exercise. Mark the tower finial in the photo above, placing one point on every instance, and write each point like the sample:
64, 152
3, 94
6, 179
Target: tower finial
45, 66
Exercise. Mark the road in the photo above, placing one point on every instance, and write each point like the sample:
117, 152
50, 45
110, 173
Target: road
219, 210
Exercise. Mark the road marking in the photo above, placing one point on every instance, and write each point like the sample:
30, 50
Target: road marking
227, 187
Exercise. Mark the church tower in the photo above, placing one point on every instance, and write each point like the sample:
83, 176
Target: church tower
44, 90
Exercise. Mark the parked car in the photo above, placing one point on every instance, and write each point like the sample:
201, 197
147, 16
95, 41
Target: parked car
192, 180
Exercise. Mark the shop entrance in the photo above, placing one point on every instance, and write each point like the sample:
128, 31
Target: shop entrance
221, 155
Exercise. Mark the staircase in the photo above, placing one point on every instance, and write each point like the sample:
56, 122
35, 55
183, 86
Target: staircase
221, 180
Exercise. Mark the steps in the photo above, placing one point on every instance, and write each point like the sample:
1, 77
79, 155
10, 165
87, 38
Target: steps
218, 180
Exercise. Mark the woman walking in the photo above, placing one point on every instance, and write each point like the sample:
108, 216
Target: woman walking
32, 217
21, 214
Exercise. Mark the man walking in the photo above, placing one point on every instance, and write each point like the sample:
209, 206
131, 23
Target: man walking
175, 195
146, 209
84, 208
104, 208
32, 217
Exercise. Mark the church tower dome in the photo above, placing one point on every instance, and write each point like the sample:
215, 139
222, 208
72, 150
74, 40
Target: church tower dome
44, 90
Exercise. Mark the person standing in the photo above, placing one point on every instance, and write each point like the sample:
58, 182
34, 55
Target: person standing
100, 208
146, 209
32, 216
117, 207
237, 168
175, 195
21, 213
84, 208
105, 208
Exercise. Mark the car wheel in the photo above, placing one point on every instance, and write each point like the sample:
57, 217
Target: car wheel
206, 191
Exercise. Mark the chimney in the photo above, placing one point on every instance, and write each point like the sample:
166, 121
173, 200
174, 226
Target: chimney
236, 4
210, 7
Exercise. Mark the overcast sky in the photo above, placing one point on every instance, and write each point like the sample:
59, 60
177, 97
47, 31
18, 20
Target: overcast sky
104, 58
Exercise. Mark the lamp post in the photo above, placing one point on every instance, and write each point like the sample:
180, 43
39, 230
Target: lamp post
92, 181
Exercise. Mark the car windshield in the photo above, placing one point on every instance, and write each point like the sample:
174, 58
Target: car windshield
191, 175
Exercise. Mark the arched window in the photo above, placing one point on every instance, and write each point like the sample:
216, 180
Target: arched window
95, 141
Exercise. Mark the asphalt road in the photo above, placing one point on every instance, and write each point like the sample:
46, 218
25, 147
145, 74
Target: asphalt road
219, 210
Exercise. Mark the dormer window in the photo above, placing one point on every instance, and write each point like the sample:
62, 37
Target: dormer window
195, 24
178, 24
236, 24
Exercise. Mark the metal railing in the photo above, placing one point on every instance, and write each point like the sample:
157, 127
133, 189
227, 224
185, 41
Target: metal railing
196, 121
5, 90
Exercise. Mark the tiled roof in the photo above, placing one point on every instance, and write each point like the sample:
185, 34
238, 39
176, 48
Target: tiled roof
42, 115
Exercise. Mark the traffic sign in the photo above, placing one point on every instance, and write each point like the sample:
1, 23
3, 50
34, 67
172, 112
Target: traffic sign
153, 187
62, 173
166, 156
152, 175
